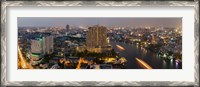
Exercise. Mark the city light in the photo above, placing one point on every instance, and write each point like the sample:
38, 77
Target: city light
99, 46
79, 63
22, 61
144, 63
120, 47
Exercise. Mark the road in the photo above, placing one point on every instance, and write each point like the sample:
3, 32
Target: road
22, 61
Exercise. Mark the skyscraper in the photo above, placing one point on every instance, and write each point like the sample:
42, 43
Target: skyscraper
67, 28
47, 44
36, 51
36, 45
41, 46
96, 38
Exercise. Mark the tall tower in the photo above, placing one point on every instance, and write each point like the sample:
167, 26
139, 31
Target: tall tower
67, 28
96, 37
42, 45
47, 44
153, 41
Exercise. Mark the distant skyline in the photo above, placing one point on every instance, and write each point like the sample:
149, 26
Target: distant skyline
90, 21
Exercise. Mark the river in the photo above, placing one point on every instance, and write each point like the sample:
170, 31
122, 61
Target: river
131, 51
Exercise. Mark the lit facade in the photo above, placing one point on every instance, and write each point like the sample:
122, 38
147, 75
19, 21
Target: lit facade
36, 51
36, 45
67, 28
40, 47
47, 44
96, 39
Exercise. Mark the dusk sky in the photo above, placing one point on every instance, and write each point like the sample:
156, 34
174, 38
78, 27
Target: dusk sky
90, 21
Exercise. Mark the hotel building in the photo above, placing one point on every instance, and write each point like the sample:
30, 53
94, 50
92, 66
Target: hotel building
96, 39
40, 47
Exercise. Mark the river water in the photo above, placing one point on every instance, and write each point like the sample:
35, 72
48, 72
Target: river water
132, 51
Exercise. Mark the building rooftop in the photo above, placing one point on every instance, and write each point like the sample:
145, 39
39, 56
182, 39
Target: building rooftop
84, 66
101, 66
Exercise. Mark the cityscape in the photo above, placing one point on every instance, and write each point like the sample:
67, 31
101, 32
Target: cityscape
99, 43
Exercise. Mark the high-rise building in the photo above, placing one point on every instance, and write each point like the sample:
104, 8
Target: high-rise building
36, 50
36, 45
96, 37
47, 44
154, 39
41, 46
67, 28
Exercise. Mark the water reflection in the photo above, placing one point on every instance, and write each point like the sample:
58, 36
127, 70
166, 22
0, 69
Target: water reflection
164, 64
177, 65
134, 50
171, 63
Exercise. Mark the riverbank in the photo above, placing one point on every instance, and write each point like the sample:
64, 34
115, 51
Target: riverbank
132, 51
